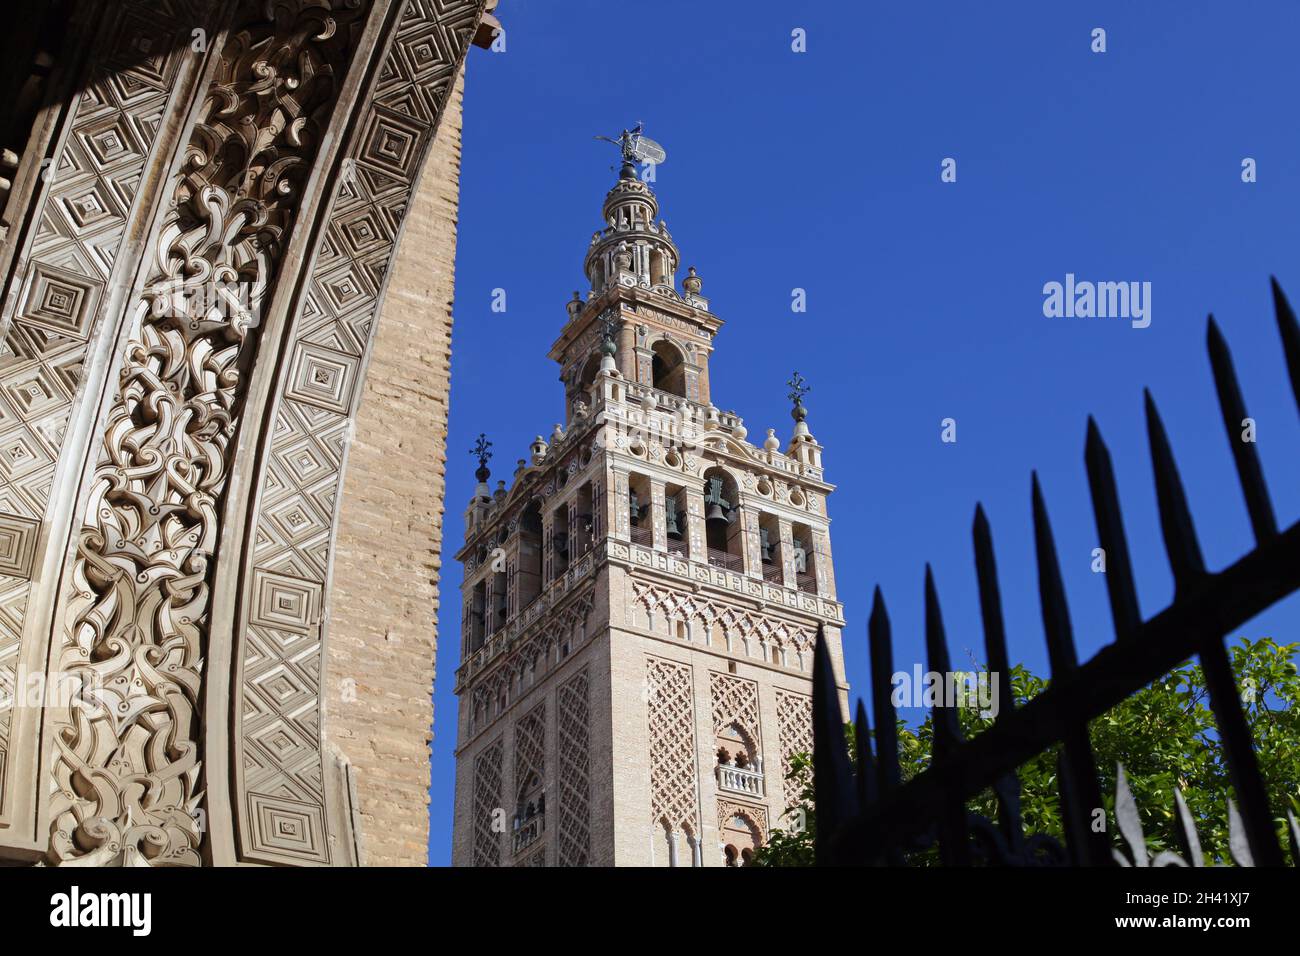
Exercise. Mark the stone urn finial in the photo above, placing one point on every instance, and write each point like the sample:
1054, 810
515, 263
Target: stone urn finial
692, 282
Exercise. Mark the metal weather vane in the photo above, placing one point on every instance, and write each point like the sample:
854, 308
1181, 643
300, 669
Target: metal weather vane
636, 147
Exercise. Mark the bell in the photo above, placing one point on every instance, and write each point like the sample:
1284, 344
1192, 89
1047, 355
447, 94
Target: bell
670, 519
765, 545
800, 557
715, 513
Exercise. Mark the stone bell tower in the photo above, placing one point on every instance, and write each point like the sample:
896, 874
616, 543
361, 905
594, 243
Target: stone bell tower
640, 605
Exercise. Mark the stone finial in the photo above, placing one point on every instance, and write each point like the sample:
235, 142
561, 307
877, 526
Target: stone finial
501, 490
771, 442
575, 305
538, 450
557, 435
692, 282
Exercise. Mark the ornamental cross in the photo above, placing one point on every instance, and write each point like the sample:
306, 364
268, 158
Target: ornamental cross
482, 449
798, 388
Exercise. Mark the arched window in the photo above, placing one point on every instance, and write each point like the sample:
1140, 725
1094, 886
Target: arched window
740, 838
668, 368
589, 370
722, 520
529, 578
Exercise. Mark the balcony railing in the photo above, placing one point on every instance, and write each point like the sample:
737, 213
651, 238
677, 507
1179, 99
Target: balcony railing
740, 780
677, 547
724, 559
806, 582
642, 534
772, 574
528, 831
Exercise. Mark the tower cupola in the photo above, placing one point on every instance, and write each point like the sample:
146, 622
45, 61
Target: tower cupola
632, 249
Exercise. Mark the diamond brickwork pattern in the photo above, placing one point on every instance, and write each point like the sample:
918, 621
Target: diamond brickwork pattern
487, 805
298, 488
79, 221
574, 731
673, 768
794, 722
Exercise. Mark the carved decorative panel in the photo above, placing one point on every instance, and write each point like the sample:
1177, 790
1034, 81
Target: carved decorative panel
487, 805
68, 260
530, 748
756, 815
277, 742
794, 722
673, 767
138, 618
574, 839
734, 700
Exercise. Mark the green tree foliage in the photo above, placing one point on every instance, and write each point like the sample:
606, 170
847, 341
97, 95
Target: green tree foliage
1164, 735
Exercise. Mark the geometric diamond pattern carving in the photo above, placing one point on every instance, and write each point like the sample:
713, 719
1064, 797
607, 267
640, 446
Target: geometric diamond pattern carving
299, 483
671, 710
141, 598
530, 749
574, 840
735, 701
794, 720
487, 803
79, 216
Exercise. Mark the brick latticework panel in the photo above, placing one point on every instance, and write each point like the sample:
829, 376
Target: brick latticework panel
530, 748
673, 773
574, 708
735, 701
384, 601
487, 805
794, 719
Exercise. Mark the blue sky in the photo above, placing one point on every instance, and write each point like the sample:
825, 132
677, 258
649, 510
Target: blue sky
821, 171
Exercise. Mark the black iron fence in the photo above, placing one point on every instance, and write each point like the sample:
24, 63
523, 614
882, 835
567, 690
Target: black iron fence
871, 817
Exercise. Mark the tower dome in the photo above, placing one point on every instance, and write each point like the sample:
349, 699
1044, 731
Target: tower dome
632, 249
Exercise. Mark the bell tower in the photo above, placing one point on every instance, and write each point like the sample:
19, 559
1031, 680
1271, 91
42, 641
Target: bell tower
639, 606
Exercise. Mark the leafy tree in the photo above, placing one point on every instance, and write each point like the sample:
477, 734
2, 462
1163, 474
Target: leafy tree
1164, 735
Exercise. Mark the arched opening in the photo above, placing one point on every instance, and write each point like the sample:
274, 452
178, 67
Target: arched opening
640, 521
675, 520
668, 368
530, 555
477, 616
769, 547
530, 812
582, 393
740, 838
740, 762
722, 520
805, 562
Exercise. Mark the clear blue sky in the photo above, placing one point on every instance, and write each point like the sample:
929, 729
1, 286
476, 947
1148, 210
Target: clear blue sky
821, 171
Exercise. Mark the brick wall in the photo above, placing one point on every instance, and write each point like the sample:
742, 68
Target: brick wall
383, 600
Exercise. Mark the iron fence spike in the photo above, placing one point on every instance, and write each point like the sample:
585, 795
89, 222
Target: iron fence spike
1245, 455
1110, 533
1290, 332
1175, 519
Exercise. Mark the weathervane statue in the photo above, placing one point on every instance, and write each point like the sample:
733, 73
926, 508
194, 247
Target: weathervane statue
637, 147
